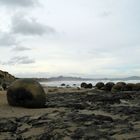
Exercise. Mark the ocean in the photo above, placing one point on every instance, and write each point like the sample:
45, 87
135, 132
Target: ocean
78, 83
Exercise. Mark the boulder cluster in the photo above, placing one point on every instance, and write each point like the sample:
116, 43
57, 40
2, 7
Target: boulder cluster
85, 85
119, 86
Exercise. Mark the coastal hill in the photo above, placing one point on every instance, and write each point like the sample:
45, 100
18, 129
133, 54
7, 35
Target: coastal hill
6, 77
63, 78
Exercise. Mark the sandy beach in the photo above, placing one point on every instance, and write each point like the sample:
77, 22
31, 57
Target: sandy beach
73, 113
9, 111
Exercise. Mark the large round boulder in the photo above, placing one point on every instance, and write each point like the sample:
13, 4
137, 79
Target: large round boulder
26, 93
121, 83
99, 85
118, 87
108, 86
129, 87
89, 85
83, 85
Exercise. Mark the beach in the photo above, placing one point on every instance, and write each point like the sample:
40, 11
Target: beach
73, 113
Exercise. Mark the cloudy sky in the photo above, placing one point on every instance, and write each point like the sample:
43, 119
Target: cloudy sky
88, 38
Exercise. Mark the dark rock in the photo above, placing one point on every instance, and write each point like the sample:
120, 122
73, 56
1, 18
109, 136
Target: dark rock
63, 84
129, 87
4, 86
7, 125
78, 134
90, 115
121, 83
136, 87
118, 87
99, 85
26, 93
23, 119
83, 85
89, 85
108, 86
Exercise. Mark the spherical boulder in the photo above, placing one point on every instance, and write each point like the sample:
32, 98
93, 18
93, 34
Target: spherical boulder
83, 85
121, 83
89, 85
99, 85
26, 93
118, 87
108, 86
129, 87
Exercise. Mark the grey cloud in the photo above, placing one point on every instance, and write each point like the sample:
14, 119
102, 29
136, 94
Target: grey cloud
20, 48
24, 26
19, 60
21, 3
7, 39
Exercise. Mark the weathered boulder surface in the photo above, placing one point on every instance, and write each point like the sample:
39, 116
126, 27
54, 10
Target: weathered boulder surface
108, 86
118, 87
99, 85
129, 87
83, 85
26, 93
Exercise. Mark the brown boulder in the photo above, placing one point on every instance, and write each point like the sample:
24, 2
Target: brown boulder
129, 87
118, 87
108, 86
26, 93
99, 85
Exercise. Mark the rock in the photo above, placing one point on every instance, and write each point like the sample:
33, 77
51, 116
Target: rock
78, 134
6, 77
63, 84
118, 87
129, 87
92, 115
89, 85
108, 86
7, 125
121, 83
136, 87
83, 85
4, 86
68, 86
26, 93
99, 85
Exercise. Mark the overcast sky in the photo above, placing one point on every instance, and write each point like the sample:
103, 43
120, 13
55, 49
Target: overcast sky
88, 38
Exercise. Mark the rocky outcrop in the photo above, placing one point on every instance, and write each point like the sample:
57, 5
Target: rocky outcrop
92, 115
6, 77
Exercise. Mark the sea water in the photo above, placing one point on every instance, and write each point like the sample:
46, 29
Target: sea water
78, 83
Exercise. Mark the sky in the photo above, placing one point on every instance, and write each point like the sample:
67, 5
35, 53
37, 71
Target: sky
83, 38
